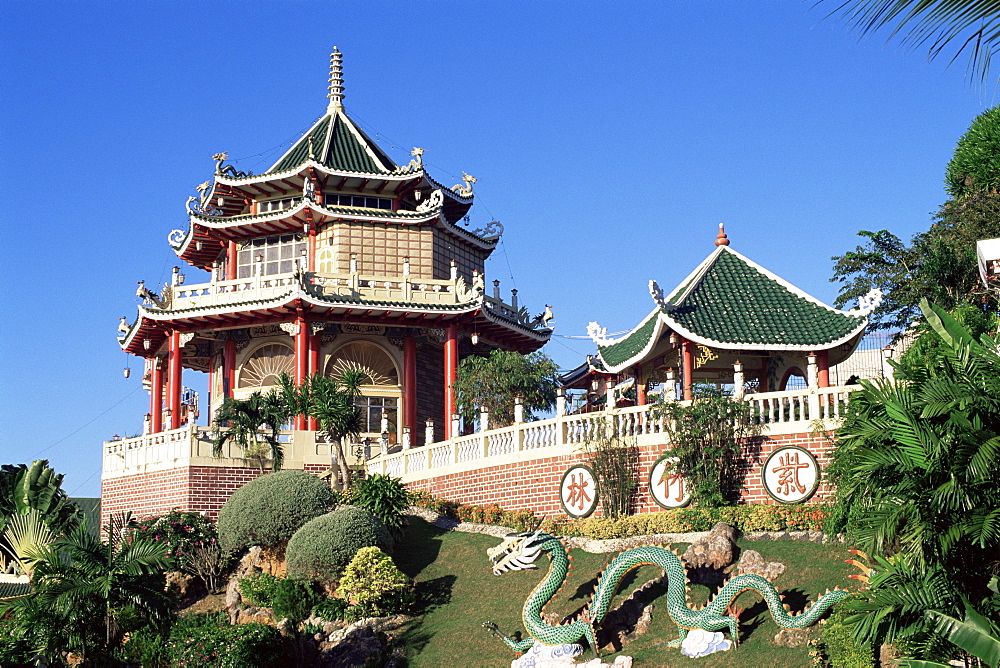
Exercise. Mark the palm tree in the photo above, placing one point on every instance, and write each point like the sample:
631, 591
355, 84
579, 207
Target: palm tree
971, 25
241, 421
88, 594
331, 402
915, 470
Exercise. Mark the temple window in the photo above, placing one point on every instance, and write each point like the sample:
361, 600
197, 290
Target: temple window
277, 204
274, 255
363, 201
371, 409
375, 363
263, 367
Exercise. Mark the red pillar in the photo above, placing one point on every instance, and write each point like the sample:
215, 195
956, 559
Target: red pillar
301, 360
687, 369
314, 343
410, 386
231, 262
764, 384
450, 375
174, 379
228, 369
823, 368
640, 387
156, 397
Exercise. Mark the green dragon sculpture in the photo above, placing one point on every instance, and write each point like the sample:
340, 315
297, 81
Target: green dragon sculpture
519, 551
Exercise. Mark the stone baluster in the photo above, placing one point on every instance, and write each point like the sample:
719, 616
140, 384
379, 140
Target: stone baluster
484, 418
429, 432
738, 380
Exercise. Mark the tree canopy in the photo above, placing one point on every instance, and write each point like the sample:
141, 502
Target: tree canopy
494, 381
939, 264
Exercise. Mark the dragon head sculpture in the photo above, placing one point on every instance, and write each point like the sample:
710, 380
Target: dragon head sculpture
517, 552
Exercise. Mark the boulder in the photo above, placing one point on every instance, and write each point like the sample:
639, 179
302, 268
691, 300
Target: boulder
792, 638
751, 562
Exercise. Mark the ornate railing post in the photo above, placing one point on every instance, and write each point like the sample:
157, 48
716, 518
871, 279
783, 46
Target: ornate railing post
812, 374
428, 432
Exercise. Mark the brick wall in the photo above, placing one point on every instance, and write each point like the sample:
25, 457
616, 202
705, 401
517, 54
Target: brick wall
535, 484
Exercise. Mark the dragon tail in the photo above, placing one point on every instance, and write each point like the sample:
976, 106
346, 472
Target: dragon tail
779, 610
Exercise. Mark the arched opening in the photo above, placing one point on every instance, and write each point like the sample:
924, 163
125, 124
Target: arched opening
793, 379
263, 366
380, 390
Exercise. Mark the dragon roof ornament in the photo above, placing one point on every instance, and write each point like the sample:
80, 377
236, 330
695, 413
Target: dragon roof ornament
867, 302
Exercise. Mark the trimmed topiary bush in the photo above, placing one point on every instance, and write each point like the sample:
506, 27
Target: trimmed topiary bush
268, 510
322, 548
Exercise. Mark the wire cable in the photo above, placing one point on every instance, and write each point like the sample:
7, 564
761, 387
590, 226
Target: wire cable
92, 420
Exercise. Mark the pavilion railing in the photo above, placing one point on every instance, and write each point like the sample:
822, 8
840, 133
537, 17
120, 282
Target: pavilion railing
780, 412
789, 411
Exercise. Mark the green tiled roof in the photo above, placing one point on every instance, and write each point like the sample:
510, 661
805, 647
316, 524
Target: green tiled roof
730, 302
339, 149
12, 589
734, 302
633, 344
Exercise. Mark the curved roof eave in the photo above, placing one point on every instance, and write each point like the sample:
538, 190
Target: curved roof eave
654, 337
725, 345
303, 166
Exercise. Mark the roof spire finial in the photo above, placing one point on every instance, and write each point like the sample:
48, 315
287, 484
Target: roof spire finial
721, 239
336, 86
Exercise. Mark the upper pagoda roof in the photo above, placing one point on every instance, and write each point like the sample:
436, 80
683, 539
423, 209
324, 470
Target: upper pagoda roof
730, 302
344, 148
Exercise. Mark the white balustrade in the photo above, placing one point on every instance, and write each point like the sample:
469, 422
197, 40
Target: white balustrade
565, 434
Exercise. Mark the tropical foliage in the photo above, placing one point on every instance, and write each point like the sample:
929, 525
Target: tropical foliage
331, 402
915, 470
253, 424
385, 497
493, 382
615, 461
87, 595
966, 27
712, 439
37, 487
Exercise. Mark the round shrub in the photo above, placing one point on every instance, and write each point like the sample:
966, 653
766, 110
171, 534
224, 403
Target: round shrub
268, 510
324, 546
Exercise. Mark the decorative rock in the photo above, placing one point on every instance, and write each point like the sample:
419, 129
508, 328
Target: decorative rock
714, 551
179, 583
702, 643
751, 562
792, 638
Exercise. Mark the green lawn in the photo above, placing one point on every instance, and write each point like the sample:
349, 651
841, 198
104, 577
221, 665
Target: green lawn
460, 592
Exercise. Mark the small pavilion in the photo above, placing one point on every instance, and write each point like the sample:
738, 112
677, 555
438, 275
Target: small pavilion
729, 322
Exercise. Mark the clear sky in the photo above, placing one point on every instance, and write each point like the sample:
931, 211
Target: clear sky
610, 139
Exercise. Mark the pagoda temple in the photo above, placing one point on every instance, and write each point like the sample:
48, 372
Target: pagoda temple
729, 322
334, 258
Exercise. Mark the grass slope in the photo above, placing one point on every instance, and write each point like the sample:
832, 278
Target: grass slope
459, 592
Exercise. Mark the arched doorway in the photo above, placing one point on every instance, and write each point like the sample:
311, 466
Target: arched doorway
381, 389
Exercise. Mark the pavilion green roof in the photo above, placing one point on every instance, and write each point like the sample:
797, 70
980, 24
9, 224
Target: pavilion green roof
344, 148
731, 302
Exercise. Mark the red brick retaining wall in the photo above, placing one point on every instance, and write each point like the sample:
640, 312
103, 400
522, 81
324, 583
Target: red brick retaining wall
191, 488
533, 485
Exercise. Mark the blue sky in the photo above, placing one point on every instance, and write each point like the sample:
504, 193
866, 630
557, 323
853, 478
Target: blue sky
610, 139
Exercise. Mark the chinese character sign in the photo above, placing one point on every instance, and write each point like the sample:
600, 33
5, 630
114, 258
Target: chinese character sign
790, 475
666, 484
578, 491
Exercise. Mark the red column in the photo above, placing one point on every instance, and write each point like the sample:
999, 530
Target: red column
229, 369
410, 386
687, 369
156, 397
311, 244
765, 385
174, 379
823, 368
231, 262
450, 375
301, 361
313, 369
640, 387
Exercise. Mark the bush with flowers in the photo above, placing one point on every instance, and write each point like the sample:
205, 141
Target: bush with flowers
184, 533
757, 517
